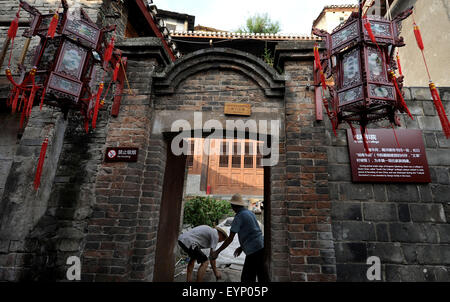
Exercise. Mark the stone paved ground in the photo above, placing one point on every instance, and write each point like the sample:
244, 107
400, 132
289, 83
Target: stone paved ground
228, 275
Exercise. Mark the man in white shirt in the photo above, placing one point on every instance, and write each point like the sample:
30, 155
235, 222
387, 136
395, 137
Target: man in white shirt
193, 241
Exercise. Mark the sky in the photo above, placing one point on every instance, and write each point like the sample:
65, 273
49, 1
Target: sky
295, 16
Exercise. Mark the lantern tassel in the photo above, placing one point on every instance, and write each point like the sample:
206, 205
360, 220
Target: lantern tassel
24, 113
12, 31
14, 103
399, 66
440, 110
109, 51
418, 36
86, 125
97, 105
116, 72
317, 57
42, 98
399, 93
37, 177
53, 25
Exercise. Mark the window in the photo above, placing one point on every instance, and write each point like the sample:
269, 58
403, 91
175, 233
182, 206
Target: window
190, 155
248, 157
236, 158
259, 155
223, 160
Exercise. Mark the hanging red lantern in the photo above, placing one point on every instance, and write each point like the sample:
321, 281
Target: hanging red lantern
361, 54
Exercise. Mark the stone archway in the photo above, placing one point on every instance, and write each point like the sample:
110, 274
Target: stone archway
121, 242
202, 82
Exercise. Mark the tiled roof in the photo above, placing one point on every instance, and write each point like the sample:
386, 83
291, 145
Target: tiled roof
233, 35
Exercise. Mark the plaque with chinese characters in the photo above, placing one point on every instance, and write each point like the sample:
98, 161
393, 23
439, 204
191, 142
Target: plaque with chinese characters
389, 161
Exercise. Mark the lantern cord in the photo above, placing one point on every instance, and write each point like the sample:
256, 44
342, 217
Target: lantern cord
420, 44
395, 135
388, 9
126, 79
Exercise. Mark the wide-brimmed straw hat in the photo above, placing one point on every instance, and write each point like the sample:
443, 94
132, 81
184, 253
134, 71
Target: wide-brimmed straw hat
224, 233
237, 200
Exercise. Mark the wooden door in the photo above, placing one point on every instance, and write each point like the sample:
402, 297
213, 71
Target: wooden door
234, 167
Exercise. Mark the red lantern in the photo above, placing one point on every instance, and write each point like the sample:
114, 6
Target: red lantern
359, 56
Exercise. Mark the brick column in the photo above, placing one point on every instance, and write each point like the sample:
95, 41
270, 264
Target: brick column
118, 241
310, 242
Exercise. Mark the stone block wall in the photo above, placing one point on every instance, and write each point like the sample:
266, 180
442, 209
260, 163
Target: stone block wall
9, 130
405, 225
21, 206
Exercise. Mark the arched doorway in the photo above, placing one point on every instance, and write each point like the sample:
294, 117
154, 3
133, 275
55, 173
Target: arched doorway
202, 83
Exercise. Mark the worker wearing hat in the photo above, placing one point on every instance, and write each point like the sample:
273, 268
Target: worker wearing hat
193, 241
250, 238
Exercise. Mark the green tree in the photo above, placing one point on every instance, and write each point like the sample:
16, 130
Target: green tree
260, 23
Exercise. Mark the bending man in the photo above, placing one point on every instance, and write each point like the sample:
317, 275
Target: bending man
193, 241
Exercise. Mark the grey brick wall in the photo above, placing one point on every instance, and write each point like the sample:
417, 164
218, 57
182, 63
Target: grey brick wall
406, 225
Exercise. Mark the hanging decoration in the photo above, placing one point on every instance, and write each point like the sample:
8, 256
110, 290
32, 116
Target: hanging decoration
359, 60
434, 92
63, 67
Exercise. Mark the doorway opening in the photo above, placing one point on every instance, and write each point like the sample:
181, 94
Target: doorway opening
212, 169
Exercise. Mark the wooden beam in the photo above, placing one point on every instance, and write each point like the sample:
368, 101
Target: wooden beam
155, 28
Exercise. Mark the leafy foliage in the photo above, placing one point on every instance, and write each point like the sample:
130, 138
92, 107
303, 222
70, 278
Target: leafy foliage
267, 57
202, 210
260, 23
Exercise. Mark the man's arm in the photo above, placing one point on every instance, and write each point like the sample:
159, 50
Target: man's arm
214, 267
224, 245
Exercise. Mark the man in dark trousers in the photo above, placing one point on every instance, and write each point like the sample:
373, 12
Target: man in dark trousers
251, 239
193, 241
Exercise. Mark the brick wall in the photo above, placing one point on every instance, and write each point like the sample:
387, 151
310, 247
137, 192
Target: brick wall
406, 225
310, 242
114, 241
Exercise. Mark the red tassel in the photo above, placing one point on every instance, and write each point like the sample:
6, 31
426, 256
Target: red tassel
365, 142
10, 99
322, 80
16, 99
368, 27
399, 66
399, 94
12, 31
97, 105
53, 24
86, 125
109, 51
31, 100
37, 177
10, 77
317, 58
42, 98
22, 117
418, 37
116, 71
440, 110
